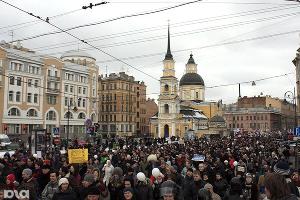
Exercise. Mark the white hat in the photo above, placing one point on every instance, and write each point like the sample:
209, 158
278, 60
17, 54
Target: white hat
62, 180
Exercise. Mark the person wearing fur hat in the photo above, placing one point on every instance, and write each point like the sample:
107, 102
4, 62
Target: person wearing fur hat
282, 168
65, 191
29, 183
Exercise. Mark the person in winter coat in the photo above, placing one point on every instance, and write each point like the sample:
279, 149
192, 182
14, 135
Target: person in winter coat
188, 186
88, 183
29, 183
143, 191
64, 192
129, 194
170, 191
235, 191
220, 185
51, 187
44, 178
156, 186
198, 182
115, 185
11, 182
282, 168
277, 188
204, 194
108, 169
104, 194
250, 191
214, 196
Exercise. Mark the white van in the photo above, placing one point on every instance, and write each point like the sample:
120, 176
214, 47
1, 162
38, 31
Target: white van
4, 140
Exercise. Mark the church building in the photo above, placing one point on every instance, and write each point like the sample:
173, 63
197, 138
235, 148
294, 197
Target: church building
183, 109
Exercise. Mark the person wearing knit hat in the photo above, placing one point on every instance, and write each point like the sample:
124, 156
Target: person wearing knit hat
29, 183
64, 192
27, 173
88, 183
11, 181
282, 168
63, 181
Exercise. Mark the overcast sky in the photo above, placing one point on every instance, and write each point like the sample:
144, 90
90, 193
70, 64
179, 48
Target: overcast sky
201, 28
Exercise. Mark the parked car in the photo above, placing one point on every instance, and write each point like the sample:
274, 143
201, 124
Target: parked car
4, 140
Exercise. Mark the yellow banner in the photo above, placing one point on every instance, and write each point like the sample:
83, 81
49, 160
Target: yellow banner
78, 155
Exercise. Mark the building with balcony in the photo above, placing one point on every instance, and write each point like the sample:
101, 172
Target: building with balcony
33, 91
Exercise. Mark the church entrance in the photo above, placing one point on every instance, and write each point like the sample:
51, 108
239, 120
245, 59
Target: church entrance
166, 131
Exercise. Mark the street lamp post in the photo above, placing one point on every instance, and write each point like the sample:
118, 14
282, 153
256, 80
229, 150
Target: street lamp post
292, 95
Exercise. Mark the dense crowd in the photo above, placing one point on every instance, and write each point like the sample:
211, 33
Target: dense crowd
243, 167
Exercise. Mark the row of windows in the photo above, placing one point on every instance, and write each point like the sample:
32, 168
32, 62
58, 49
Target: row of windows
110, 97
20, 67
113, 118
81, 102
51, 115
112, 127
251, 125
70, 88
255, 117
16, 112
31, 98
113, 108
78, 78
114, 86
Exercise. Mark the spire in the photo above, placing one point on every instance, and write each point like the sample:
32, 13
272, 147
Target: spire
169, 54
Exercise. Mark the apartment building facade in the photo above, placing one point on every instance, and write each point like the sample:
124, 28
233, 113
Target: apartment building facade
122, 105
36, 92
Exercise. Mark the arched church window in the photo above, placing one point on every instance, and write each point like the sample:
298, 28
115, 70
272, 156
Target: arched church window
166, 108
166, 88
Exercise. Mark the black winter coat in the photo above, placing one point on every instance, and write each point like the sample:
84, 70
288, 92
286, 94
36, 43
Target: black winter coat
143, 192
188, 189
220, 187
68, 195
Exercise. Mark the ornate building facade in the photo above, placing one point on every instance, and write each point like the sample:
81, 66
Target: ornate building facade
181, 104
37, 91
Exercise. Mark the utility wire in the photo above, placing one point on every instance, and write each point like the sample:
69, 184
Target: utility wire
102, 22
196, 31
120, 59
34, 22
156, 28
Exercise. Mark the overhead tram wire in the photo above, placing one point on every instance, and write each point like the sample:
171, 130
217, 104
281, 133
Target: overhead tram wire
177, 34
108, 53
203, 2
33, 22
102, 22
154, 28
109, 20
110, 36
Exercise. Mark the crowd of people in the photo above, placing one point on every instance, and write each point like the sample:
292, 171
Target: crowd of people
242, 167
